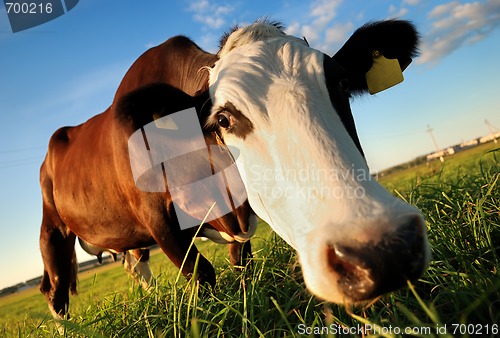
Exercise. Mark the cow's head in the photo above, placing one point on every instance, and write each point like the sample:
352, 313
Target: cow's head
285, 107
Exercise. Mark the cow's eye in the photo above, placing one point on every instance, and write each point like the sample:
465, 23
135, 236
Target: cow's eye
225, 120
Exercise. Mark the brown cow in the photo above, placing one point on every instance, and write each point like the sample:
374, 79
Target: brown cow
87, 185
283, 110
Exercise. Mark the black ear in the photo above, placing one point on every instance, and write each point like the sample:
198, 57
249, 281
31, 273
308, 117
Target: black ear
394, 39
153, 101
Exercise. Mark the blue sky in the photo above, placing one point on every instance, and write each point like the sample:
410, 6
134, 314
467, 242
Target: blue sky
67, 70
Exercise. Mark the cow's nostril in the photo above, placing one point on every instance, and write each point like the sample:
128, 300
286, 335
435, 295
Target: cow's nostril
355, 277
338, 264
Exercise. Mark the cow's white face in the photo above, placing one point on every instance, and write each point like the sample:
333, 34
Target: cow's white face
305, 176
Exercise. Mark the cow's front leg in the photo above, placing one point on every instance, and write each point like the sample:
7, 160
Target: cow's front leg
177, 246
240, 254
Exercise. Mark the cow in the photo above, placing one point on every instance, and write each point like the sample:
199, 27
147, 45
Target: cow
283, 110
88, 189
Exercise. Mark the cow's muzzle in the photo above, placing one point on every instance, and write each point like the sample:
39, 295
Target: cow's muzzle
372, 269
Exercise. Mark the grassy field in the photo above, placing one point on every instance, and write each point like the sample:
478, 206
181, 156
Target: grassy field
459, 295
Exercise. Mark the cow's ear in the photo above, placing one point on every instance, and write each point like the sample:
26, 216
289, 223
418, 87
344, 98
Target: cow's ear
154, 101
377, 53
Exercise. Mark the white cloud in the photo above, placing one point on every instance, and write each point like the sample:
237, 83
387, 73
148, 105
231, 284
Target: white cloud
442, 9
317, 25
310, 33
293, 29
338, 33
323, 12
223, 10
199, 6
212, 22
411, 2
455, 25
213, 16
394, 12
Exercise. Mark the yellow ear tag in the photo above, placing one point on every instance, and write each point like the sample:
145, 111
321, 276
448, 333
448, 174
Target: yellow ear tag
384, 73
165, 122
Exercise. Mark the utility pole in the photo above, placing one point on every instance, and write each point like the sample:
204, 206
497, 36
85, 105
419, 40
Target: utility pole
491, 129
429, 130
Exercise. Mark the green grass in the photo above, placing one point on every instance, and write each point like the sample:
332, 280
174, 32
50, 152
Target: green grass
460, 200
